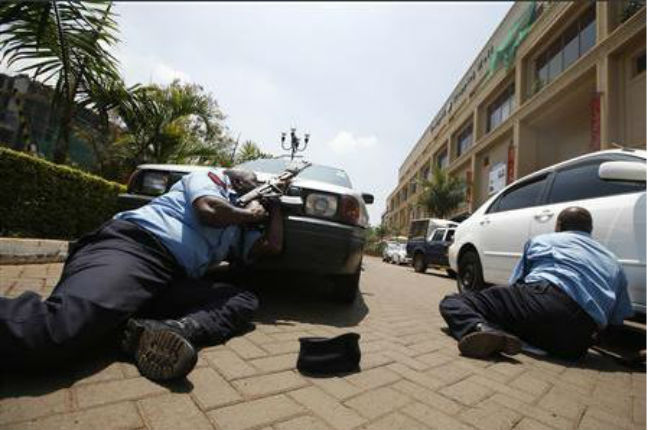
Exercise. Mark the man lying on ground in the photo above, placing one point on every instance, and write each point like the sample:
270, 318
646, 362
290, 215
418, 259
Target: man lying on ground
138, 277
566, 288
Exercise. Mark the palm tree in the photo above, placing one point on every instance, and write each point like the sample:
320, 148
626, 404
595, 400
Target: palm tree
442, 193
382, 230
178, 123
62, 41
249, 151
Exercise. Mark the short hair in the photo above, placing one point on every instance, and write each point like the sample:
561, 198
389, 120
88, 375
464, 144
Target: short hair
243, 174
574, 218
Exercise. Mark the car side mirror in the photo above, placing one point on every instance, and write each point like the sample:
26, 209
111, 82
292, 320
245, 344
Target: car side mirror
368, 198
628, 171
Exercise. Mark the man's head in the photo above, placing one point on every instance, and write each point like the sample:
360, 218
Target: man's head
574, 218
242, 180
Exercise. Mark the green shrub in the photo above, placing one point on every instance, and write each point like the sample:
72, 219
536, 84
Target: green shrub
46, 200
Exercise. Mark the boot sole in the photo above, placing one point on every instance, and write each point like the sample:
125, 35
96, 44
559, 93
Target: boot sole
163, 354
486, 344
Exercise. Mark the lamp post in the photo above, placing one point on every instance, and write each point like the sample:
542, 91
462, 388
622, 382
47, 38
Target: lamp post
295, 144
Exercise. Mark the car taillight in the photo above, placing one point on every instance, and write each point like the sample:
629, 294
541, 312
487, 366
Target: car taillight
321, 205
350, 210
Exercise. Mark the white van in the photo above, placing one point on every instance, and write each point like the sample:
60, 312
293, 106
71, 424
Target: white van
610, 184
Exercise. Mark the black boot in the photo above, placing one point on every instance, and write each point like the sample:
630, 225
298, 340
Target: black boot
486, 341
162, 350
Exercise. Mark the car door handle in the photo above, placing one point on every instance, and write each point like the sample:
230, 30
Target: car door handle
484, 221
543, 216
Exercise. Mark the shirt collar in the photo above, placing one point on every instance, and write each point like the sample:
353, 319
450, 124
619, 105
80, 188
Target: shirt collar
582, 233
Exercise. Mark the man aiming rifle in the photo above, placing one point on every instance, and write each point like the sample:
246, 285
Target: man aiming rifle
138, 278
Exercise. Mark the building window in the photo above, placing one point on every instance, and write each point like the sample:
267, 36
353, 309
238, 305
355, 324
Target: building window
572, 44
412, 187
442, 159
464, 140
501, 108
639, 64
425, 172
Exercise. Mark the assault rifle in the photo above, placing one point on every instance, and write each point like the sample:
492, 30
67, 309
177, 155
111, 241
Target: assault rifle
275, 186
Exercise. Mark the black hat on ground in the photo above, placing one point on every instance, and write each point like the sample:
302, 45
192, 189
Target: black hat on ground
321, 355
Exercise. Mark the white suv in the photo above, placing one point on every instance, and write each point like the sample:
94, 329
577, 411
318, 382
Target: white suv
610, 184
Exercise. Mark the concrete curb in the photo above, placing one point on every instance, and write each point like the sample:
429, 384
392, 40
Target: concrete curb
32, 251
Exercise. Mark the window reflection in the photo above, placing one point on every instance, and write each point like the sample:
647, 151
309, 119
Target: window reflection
573, 43
501, 108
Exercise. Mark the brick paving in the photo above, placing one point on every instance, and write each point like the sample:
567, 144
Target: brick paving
412, 377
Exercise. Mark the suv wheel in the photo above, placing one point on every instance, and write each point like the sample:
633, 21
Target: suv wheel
419, 263
470, 277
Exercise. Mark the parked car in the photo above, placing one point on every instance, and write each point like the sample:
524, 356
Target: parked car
389, 248
152, 180
398, 255
610, 184
325, 219
433, 252
421, 231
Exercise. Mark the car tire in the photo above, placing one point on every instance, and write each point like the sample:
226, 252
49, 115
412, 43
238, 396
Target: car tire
470, 277
345, 287
451, 273
419, 263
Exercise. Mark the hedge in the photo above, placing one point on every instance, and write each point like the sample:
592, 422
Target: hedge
45, 200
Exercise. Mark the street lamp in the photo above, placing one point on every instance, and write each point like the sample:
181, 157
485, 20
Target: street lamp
295, 144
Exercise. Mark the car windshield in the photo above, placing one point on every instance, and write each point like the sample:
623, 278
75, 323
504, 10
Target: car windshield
274, 166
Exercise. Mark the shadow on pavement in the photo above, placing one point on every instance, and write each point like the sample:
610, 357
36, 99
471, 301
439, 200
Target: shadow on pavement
286, 301
283, 301
618, 350
38, 382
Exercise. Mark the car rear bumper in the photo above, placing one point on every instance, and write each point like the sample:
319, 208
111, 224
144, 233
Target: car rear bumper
317, 246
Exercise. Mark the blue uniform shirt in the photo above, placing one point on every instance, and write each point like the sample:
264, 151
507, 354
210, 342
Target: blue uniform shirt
172, 219
582, 268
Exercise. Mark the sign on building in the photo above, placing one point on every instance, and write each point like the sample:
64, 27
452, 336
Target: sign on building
497, 178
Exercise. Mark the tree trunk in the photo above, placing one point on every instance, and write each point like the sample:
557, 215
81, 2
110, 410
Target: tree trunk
62, 145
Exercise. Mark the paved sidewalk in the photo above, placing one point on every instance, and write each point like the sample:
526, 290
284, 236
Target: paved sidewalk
412, 377
32, 251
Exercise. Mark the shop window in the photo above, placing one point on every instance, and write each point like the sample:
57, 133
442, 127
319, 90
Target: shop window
572, 44
442, 159
425, 173
639, 64
588, 30
501, 108
555, 61
570, 52
464, 140
412, 187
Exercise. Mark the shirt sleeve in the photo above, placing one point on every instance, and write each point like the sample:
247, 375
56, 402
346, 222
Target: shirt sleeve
519, 271
622, 307
208, 183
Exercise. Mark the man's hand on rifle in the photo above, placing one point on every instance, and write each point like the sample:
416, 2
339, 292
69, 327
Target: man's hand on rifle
257, 212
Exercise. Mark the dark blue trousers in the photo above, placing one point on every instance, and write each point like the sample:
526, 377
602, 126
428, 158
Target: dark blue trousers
112, 274
539, 313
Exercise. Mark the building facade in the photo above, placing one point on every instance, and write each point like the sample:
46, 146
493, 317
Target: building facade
28, 122
555, 80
